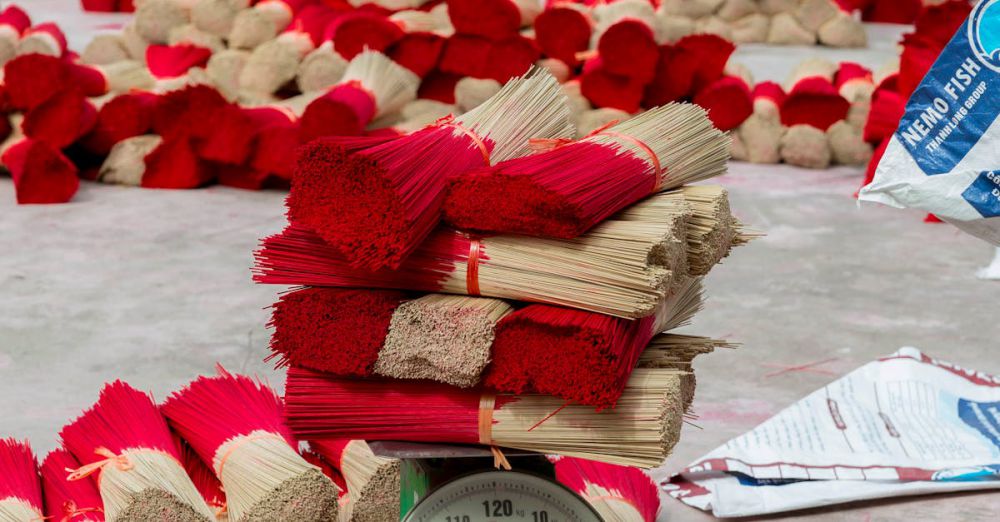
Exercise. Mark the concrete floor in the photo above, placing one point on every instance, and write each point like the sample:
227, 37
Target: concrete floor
153, 287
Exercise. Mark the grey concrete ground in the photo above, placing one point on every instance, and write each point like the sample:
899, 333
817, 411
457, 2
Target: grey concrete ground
153, 287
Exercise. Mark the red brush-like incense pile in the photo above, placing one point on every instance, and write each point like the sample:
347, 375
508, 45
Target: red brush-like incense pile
123, 444
41, 173
605, 89
567, 190
20, 490
581, 357
332, 330
491, 19
236, 424
418, 52
171, 61
124, 116
376, 205
617, 492
887, 108
373, 482
728, 101
626, 41
563, 30
687, 67
60, 120
32, 79
372, 86
69, 500
355, 32
814, 101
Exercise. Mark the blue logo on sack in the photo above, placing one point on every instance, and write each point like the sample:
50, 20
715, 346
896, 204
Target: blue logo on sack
984, 33
984, 194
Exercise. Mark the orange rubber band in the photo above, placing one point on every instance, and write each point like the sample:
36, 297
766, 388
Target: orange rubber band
657, 169
449, 121
122, 462
472, 268
69, 510
486, 405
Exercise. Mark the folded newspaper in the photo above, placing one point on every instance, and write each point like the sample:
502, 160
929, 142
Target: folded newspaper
905, 424
943, 157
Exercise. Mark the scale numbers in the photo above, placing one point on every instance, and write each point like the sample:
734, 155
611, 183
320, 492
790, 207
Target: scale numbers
502, 496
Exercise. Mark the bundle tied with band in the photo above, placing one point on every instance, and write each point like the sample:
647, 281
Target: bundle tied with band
569, 187
237, 425
20, 491
639, 431
376, 204
625, 266
124, 444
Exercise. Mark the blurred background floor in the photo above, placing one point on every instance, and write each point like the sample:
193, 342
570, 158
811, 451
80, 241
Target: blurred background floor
153, 287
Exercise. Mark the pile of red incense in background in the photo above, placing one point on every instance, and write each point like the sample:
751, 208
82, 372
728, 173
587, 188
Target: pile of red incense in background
270, 76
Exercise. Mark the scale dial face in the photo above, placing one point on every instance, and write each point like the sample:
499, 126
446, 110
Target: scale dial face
502, 496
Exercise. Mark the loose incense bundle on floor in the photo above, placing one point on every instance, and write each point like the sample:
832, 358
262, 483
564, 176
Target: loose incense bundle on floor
621, 267
618, 493
236, 424
69, 500
575, 185
372, 86
20, 490
640, 431
126, 443
376, 205
582, 357
373, 482
361, 333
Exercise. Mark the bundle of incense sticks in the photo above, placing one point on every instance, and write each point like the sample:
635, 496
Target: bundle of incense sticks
376, 205
617, 493
582, 357
621, 267
575, 185
343, 498
639, 431
202, 476
125, 445
372, 86
20, 490
712, 230
68, 500
444, 338
677, 352
348, 332
538, 349
373, 482
235, 423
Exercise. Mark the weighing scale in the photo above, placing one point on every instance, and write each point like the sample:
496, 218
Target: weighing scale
445, 483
